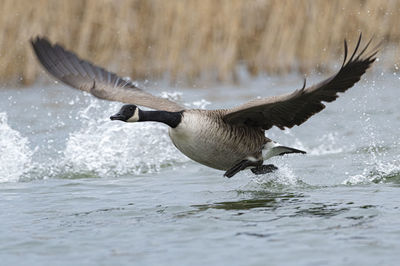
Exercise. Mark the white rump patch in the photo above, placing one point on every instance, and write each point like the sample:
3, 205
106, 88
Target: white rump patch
272, 149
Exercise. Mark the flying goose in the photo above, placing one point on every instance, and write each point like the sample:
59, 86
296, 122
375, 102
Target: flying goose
226, 139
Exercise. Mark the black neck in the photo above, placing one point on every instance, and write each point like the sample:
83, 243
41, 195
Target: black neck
171, 119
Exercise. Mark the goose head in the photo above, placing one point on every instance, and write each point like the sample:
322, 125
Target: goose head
127, 113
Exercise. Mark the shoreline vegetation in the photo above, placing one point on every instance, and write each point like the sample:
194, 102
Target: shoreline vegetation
190, 40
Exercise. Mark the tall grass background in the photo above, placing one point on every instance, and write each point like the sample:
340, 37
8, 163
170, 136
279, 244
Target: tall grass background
192, 39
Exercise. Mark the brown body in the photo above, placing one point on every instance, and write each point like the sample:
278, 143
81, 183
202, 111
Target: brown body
204, 137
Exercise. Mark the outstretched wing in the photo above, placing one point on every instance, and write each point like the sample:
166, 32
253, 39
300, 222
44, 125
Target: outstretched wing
81, 74
295, 108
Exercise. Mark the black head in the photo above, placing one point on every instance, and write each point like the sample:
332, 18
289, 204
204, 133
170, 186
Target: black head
127, 113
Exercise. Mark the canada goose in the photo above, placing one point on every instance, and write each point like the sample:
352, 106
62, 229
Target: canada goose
226, 139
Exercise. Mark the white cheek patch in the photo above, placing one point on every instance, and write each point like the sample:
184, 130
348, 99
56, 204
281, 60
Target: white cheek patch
134, 117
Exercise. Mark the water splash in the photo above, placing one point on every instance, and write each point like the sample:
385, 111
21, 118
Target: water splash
380, 166
107, 148
15, 154
379, 172
281, 178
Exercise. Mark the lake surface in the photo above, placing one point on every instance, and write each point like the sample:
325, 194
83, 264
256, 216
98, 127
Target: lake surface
77, 188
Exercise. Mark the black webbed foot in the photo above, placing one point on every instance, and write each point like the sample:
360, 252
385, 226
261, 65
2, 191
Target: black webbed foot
241, 166
264, 169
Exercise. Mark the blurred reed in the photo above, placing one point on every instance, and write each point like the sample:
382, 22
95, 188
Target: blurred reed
192, 39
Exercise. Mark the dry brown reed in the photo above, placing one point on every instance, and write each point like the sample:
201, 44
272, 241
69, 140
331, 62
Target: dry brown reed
191, 39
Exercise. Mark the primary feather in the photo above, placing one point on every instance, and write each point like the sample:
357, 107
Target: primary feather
295, 108
81, 74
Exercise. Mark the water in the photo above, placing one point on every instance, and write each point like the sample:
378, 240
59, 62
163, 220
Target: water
77, 188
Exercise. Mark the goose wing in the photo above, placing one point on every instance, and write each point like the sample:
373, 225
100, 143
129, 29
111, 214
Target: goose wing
295, 108
81, 74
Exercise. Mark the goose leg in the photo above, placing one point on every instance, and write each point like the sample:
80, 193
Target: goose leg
264, 169
241, 166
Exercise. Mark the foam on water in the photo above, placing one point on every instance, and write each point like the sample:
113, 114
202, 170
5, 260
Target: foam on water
15, 154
